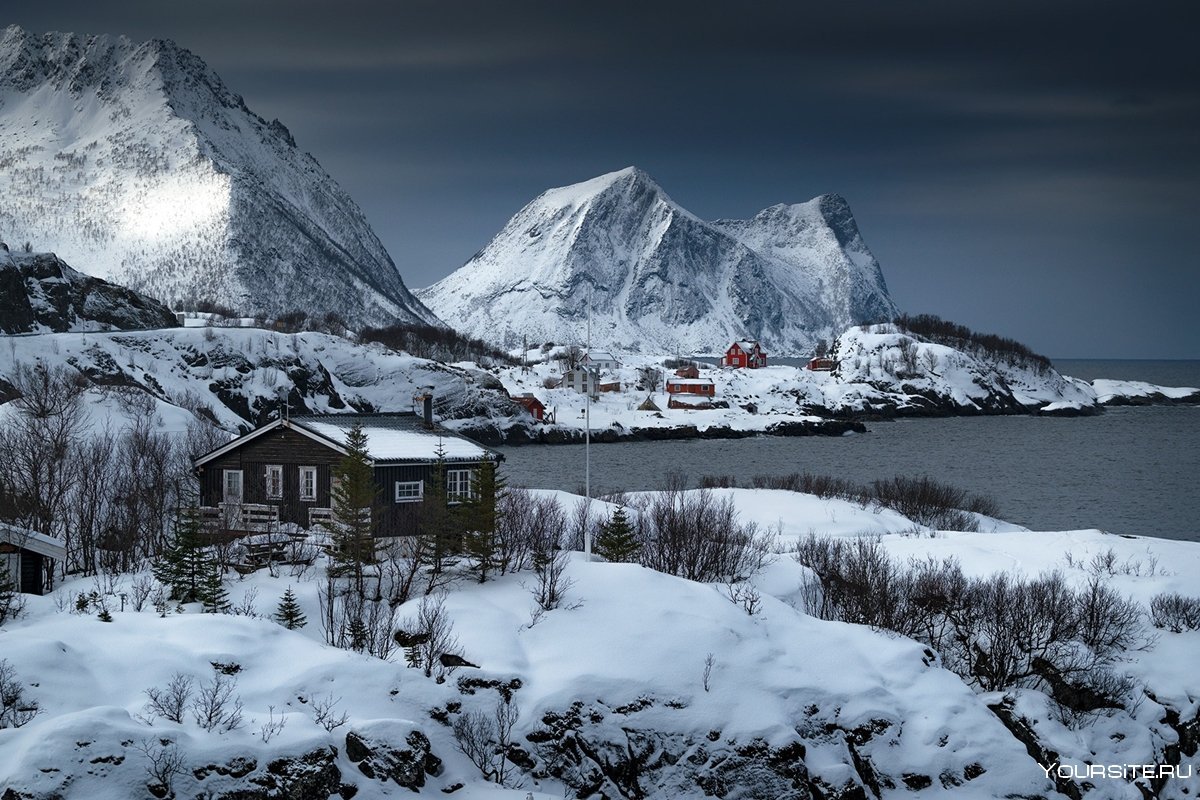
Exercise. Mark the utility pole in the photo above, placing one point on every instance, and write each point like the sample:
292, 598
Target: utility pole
587, 436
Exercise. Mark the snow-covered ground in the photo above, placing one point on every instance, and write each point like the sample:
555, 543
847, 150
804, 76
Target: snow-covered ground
630, 648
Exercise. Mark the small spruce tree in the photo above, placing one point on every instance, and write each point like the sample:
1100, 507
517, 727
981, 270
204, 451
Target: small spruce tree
479, 513
187, 566
438, 525
616, 541
212, 593
288, 613
354, 510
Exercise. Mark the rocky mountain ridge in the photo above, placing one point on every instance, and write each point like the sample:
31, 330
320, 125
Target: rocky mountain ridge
136, 161
654, 278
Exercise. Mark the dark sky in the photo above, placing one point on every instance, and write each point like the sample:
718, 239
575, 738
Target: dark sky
1026, 168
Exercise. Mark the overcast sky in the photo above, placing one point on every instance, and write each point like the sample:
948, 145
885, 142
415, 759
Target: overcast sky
1026, 168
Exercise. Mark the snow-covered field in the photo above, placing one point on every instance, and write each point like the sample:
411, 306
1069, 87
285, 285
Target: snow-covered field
629, 647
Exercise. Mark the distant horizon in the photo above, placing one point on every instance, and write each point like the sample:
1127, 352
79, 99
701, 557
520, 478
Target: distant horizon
1026, 170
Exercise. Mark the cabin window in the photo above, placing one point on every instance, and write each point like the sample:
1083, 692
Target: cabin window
274, 481
409, 491
308, 483
458, 485
233, 486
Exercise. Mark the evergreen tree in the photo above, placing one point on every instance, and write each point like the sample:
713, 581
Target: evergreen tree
212, 593
288, 613
616, 541
480, 521
354, 497
187, 566
438, 525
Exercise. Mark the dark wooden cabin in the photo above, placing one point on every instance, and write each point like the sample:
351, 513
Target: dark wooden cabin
27, 558
281, 472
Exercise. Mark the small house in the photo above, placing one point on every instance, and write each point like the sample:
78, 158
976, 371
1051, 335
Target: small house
692, 370
822, 364
282, 471
535, 407
27, 558
599, 359
744, 355
590, 381
704, 387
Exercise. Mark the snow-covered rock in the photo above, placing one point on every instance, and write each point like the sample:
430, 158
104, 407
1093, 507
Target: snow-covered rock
135, 162
660, 280
39, 293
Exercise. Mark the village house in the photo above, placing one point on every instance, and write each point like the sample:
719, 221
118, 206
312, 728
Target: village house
535, 407
692, 370
27, 559
704, 387
822, 364
599, 359
744, 355
282, 472
590, 381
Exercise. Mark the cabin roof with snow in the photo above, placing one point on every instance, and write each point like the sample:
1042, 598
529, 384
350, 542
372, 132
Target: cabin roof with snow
391, 438
600, 355
33, 541
690, 381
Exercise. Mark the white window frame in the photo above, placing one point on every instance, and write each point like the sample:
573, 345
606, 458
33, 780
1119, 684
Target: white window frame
226, 496
274, 478
304, 494
407, 486
453, 481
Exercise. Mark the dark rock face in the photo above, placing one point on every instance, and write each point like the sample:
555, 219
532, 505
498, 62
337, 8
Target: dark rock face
602, 752
380, 760
39, 291
311, 776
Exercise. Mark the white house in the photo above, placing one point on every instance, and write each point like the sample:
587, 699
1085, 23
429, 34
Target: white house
598, 359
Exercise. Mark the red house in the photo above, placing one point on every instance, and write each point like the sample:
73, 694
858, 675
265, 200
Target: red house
701, 386
744, 355
822, 364
690, 371
535, 407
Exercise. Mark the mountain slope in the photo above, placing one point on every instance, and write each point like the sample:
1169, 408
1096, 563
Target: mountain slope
138, 161
39, 293
658, 279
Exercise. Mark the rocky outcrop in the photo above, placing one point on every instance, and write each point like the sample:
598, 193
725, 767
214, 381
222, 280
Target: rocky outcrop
379, 759
39, 292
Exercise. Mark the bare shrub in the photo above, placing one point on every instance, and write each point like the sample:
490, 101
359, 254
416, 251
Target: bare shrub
273, 726
15, 708
326, 715
140, 591
428, 636
165, 763
746, 596
1175, 612
169, 702
696, 536
709, 661
485, 739
215, 705
995, 632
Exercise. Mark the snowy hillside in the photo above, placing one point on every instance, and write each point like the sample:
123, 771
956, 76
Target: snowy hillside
38, 292
642, 685
658, 279
237, 377
136, 163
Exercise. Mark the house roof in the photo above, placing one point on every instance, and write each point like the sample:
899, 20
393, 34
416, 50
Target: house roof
390, 437
599, 355
32, 540
690, 381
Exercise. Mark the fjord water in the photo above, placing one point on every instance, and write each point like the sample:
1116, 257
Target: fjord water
1128, 470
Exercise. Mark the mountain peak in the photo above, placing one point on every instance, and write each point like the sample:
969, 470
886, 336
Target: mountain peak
659, 279
157, 176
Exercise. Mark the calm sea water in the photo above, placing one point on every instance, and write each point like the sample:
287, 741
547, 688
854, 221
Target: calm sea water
1129, 470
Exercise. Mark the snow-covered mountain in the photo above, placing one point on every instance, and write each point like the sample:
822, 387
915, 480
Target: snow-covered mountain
40, 293
660, 280
137, 162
